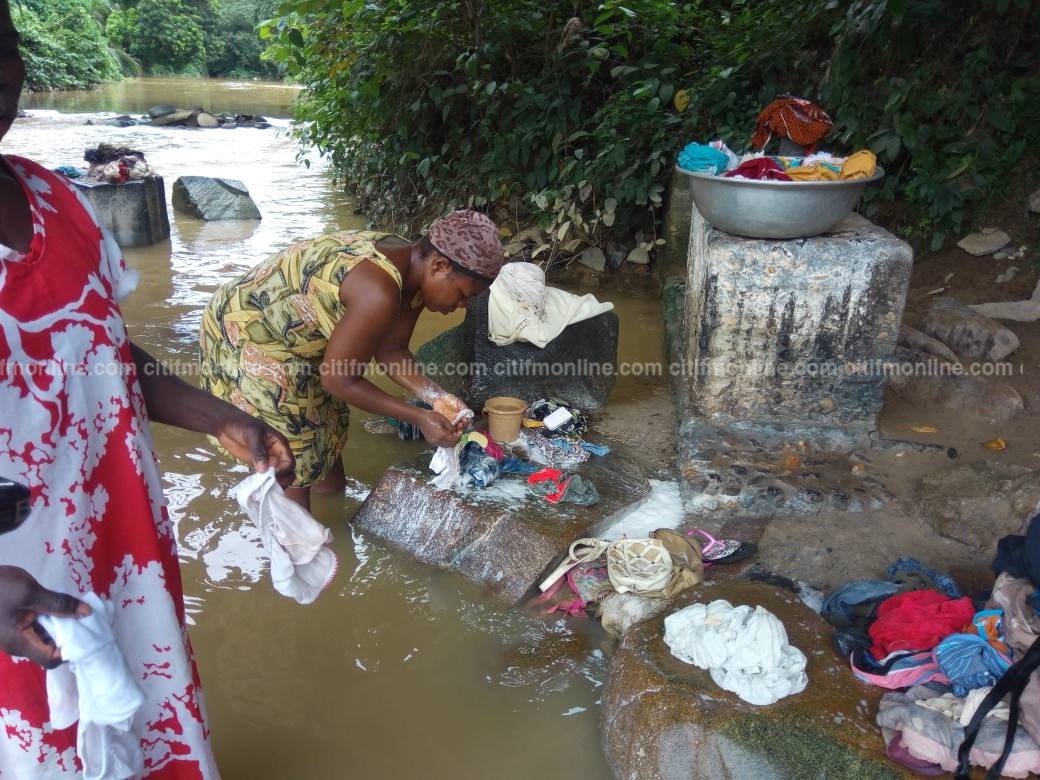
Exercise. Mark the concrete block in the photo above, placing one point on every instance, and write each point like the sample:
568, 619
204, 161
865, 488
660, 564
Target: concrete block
134, 212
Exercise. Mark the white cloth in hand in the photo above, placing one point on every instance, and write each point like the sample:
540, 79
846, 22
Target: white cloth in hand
522, 308
302, 564
745, 650
95, 687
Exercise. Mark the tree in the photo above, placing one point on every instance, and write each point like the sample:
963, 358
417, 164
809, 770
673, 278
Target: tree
167, 37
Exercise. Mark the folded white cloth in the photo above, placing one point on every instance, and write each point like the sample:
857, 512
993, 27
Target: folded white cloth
95, 687
522, 308
745, 650
302, 564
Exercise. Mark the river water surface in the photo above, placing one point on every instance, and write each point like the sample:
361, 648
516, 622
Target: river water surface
398, 670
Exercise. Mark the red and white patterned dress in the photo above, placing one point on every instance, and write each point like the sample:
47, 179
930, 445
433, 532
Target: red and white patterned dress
73, 428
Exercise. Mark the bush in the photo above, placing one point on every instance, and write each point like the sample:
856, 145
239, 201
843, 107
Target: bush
424, 106
63, 45
168, 38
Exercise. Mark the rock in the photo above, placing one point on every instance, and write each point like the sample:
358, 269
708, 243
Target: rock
262, 125
578, 366
502, 537
213, 200
157, 112
771, 325
244, 124
177, 117
968, 333
978, 503
594, 258
206, 120
929, 385
984, 243
664, 719
134, 212
1033, 203
121, 121
1008, 275
1019, 311
920, 342
640, 255
229, 126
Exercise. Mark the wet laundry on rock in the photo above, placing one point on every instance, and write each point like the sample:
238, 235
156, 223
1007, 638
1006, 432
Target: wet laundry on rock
745, 649
917, 620
574, 427
557, 487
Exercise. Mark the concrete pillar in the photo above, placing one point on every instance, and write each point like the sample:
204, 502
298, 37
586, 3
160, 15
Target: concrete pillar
779, 332
135, 211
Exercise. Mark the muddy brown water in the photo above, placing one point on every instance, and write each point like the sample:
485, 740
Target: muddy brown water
398, 670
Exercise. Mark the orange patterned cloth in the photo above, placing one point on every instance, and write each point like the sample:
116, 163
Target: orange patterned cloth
798, 119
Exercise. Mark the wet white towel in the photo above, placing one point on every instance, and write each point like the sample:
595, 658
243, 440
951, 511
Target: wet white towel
302, 564
95, 687
522, 308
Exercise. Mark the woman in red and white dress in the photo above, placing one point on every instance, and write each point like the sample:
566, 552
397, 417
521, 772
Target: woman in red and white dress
75, 400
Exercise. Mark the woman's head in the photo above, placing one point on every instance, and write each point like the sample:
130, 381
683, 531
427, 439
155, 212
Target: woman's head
462, 255
12, 69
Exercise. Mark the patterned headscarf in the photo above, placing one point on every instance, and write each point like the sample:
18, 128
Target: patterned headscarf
798, 119
470, 240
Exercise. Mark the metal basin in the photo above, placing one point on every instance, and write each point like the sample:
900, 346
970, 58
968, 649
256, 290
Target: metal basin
775, 209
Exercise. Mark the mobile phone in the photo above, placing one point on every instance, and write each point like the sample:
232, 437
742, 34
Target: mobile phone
14, 504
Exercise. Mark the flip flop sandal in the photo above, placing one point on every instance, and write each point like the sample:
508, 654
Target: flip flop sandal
722, 550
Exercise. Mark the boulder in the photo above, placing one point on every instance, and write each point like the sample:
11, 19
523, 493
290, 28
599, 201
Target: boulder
978, 503
985, 243
502, 537
664, 719
121, 121
156, 112
176, 118
593, 258
262, 125
206, 120
925, 380
970, 334
578, 366
213, 200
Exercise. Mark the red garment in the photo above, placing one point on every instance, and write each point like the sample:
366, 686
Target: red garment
798, 119
561, 488
760, 168
917, 620
77, 434
541, 476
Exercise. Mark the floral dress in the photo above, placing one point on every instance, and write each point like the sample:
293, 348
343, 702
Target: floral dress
74, 430
263, 341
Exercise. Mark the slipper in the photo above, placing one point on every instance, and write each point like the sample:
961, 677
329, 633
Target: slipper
723, 551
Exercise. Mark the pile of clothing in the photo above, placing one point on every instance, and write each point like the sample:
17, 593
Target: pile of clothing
116, 165
553, 435
960, 673
717, 159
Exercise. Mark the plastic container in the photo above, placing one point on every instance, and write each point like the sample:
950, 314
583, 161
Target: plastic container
504, 416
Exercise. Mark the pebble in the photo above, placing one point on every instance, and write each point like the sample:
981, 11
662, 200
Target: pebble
985, 243
1008, 275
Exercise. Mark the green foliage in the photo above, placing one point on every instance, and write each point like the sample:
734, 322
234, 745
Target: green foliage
168, 36
570, 109
63, 45
241, 48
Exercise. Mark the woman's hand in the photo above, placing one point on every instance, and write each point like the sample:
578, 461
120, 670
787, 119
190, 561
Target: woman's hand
437, 429
255, 442
22, 599
451, 407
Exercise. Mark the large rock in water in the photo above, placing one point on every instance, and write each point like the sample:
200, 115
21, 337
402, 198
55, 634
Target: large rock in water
502, 537
214, 200
664, 719
578, 366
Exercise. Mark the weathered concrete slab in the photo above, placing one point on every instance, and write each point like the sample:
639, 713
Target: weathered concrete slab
793, 332
134, 212
579, 366
502, 537
663, 719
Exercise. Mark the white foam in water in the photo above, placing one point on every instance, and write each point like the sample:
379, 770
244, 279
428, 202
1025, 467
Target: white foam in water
661, 509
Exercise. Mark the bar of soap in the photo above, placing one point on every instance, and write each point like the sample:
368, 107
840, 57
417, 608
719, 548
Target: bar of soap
557, 418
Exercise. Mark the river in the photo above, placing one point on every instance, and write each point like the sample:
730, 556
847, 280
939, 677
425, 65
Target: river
398, 669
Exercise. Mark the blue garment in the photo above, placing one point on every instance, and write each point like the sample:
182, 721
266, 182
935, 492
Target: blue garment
477, 467
513, 465
701, 158
69, 171
970, 662
941, 582
837, 607
595, 449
